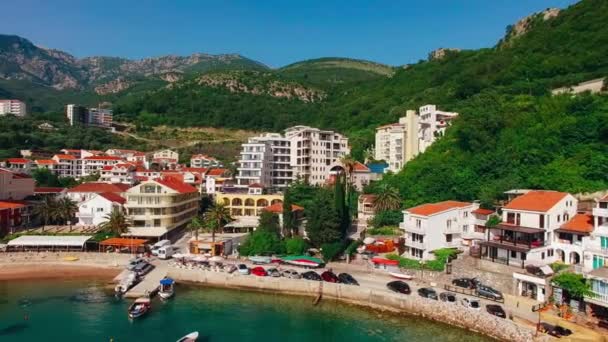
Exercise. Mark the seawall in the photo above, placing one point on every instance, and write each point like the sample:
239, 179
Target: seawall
453, 314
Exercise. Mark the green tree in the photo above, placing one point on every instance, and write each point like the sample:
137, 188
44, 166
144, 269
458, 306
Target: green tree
323, 223
195, 225
296, 245
386, 218
66, 209
289, 224
218, 215
269, 222
575, 284
116, 222
387, 198
45, 210
261, 242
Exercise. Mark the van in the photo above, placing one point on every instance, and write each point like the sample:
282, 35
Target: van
166, 252
158, 245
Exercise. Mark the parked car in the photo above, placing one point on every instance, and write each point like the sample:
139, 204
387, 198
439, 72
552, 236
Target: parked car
496, 310
471, 303
243, 269
330, 277
162, 243
467, 283
447, 297
135, 262
486, 291
346, 278
273, 272
562, 331
555, 330
427, 292
259, 271
399, 287
310, 275
291, 274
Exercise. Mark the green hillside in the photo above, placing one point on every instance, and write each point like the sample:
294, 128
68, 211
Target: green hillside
333, 70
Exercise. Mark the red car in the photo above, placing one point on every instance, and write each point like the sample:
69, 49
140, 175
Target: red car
259, 271
329, 277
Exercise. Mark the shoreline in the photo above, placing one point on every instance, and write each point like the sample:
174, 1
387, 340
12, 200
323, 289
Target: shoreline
36, 271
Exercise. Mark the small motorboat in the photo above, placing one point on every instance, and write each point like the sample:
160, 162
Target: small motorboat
400, 275
140, 307
166, 290
191, 337
257, 259
126, 283
303, 260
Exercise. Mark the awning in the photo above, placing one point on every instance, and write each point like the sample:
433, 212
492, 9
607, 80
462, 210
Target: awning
547, 270
152, 232
166, 281
123, 242
514, 228
50, 241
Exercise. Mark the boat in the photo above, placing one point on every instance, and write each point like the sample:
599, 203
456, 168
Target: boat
126, 283
166, 290
303, 260
257, 259
140, 307
191, 337
400, 275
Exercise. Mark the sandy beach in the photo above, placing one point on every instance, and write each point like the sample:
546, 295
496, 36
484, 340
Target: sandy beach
46, 271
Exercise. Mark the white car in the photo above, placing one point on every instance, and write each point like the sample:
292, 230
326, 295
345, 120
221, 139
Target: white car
471, 303
133, 263
243, 269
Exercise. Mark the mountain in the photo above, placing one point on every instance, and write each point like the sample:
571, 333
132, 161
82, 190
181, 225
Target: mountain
20, 59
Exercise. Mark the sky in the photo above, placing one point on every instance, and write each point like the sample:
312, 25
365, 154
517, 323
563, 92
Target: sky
273, 32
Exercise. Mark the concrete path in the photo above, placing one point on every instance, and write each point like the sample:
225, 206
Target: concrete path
150, 282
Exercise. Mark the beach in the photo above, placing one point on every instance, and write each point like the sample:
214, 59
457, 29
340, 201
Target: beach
43, 271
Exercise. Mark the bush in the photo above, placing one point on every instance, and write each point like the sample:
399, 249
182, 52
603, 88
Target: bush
386, 218
296, 246
262, 242
558, 266
405, 262
331, 250
384, 231
352, 247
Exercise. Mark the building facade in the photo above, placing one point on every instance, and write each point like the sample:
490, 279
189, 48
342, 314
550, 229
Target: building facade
13, 107
203, 160
82, 116
95, 210
397, 143
15, 185
432, 124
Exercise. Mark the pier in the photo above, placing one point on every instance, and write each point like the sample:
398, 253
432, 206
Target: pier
149, 285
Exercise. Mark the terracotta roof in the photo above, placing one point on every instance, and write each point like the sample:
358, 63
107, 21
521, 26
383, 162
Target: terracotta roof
45, 162
141, 178
359, 167
103, 158
107, 168
10, 205
482, 211
65, 156
536, 200
113, 197
256, 185
368, 198
18, 175
604, 199
123, 242
195, 169
277, 208
99, 187
580, 223
435, 208
176, 185
216, 172
18, 160
48, 190
202, 156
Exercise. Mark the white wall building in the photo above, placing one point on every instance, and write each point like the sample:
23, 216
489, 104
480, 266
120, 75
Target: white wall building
433, 226
118, 173
95, 164
203, 160
14, 107
397, 143
94, 211
432, 124
255, 163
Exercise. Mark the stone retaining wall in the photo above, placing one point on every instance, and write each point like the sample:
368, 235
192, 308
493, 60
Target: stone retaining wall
457, 315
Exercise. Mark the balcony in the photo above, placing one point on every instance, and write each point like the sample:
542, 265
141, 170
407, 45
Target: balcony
601, 212
453, 229
414, 244
411, 228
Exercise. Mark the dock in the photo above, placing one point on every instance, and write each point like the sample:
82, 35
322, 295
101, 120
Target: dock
150, 284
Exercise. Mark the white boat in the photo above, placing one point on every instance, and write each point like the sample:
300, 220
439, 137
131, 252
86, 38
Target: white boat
167, 289
400, 275
191, 337
126, 283
140, 307
260, 259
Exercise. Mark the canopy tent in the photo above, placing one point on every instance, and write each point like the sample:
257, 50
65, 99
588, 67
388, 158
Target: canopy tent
132, 244
166, 281
67, 242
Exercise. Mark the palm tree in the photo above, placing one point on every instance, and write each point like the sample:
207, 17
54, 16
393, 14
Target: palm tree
45, 210
66, 209
195, 225
349, 165
116, 222
217, 215
388, 198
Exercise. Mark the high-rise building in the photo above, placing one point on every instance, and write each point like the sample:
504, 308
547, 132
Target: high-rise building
255, 163
432, 124
14, 107
95, 117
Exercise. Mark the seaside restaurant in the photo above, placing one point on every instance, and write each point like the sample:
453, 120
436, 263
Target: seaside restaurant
48, 243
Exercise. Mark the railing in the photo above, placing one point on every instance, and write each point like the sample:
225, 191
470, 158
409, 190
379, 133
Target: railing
415, 244
504, 261
600, 297
603, 212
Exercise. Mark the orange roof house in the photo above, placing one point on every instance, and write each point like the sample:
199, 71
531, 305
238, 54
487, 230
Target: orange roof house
536, 200
430, 209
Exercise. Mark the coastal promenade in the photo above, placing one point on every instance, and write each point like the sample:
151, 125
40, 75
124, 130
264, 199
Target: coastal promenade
150, 282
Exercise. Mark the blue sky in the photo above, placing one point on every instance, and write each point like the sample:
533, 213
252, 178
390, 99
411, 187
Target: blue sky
273, 32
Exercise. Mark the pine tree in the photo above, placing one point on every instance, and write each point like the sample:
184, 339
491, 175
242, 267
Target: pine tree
289, 225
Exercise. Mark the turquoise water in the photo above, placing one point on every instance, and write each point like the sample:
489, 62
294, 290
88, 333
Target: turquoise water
85, 311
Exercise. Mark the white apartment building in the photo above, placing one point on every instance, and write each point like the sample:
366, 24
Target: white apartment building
21, 165
530, 232
203, 160
95, 164
86, 191
433, 226
397, 143
158, 206
118, 173
95, 210
313, 151
255, 163
596, 255
14, 107
96, 117
432, 124
67, 165
129, 155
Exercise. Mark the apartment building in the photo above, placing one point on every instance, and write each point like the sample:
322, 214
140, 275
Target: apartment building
165, 159
313, 151
95, 210
67, 165
432, 124
13, 107
118, 173
128, 155
21, 165
596, 255
397, 143
158, 206
95, 164
94, 117
15, 185
203, 160
255, 163
433, 226
48, 164
530, 231
85, 191
248, 203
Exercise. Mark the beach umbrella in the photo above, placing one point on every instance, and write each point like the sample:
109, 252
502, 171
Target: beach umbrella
369, 240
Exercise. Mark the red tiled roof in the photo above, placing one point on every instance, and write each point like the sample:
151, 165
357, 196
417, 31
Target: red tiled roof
277, 208
580, 223
176, 185
17, 175
141, 178
65, 156
536, 200
113, 197
103, 158
107, 168
359, 167
435, 208
18, 160
368, 198
482, 211
10, 205
48, 190
195, 169
99, 187
216, 172
45, 162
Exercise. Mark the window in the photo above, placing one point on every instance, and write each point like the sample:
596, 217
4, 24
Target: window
448, 223
465, 228
523, 256
465, 214
550, 252
448, 238
100, 210
541, 221
513, 254
542, 255
418, 223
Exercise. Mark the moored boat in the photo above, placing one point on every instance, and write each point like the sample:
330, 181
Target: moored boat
303, 260
258, 259
167, 289
400, 275
191, 337
140, 307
